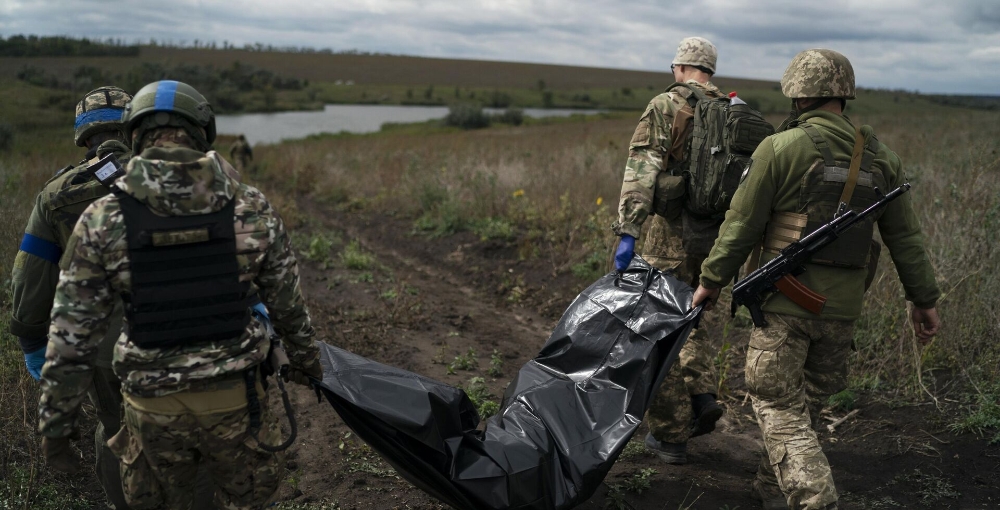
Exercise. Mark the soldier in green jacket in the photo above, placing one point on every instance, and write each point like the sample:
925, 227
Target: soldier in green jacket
35, 273
186, 246
676, 242
797, 180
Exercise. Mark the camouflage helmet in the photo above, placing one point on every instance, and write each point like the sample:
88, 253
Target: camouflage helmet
818, 73
100, 110
171, 97
696, 51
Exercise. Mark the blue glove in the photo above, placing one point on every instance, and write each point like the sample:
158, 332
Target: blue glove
259, 311
34, 361
625, 252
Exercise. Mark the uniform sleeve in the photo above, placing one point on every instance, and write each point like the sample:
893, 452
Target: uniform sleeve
80, 314
650, 144
278, 282
34, 279
900, 231
745, 220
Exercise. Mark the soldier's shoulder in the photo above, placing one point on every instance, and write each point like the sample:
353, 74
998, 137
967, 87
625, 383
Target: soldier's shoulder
791, 139
72, 187
666, 103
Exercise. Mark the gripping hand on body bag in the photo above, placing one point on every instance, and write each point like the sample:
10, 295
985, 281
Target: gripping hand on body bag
625, 252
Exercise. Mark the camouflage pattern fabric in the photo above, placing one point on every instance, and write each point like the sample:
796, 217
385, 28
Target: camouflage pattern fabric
105, 394
787, 361
95, 113
33, 279
670, 415
241, 153
167, 130
648, 150
168, 440
696, 51
170, 181
818, 73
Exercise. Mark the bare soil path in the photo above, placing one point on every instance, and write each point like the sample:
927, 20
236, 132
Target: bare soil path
426, 301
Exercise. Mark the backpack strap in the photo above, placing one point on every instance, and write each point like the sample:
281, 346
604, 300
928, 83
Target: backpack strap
819, 142
697, 94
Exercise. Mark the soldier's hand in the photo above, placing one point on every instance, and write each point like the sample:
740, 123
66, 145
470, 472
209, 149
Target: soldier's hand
926, 323
625, 252
707, 296
59, 455
301, 374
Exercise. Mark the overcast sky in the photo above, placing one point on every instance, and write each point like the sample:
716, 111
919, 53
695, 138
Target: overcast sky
942, 46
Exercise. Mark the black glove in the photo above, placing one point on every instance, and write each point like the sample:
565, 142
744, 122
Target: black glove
59, 455
301, 374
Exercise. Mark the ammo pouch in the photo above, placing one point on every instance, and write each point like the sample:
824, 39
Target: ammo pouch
668, 195
185, 277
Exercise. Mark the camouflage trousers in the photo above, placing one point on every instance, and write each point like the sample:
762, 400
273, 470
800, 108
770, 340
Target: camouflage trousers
670, 415
793, 364
167, 439
105, 394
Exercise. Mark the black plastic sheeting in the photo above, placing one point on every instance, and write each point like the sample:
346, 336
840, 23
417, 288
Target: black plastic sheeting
564, 419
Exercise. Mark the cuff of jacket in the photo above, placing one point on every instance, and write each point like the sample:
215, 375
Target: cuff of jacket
926, 305
21, 329
626, 228
32, 344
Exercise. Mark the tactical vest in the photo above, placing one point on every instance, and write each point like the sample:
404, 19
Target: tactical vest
185, 277
824, 186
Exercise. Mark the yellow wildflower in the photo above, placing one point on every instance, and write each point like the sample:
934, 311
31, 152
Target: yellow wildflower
519, 193
600, 200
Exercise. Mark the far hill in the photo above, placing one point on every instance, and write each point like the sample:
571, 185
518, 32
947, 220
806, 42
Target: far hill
364, 69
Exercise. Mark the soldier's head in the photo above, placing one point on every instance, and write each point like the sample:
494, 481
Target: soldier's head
99, 117
816, 77
169, 113
695, 58
243, 138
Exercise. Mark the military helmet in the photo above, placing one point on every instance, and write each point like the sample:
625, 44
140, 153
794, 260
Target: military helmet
100, 110
696, 51
170, 96
818, 73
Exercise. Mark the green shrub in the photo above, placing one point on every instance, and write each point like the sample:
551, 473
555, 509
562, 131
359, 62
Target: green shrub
354, 257
481, 397
512, 116
467, 116
494, 228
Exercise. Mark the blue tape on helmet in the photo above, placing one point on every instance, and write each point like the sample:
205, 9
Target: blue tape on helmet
45, 250
165, 92
98, 115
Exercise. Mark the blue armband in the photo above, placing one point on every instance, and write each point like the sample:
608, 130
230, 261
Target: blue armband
45, 250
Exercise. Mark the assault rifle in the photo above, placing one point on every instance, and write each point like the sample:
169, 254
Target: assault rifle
778, 274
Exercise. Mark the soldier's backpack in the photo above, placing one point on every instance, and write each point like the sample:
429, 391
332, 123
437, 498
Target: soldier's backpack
723, 136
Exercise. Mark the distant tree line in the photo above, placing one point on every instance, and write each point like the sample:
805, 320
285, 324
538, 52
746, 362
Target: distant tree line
59, 46
222, 86
63, 46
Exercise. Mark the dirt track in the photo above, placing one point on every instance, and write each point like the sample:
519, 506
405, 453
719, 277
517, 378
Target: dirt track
430, 300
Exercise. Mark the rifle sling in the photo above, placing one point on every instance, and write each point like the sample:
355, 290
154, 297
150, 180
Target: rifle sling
855, 169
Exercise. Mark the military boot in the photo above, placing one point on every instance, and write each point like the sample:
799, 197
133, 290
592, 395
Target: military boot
706, 412
770, 496
671, 453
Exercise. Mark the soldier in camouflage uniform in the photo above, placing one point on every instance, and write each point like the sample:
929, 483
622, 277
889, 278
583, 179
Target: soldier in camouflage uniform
57, 207
676, 242
241, 153
189, 353
799, 357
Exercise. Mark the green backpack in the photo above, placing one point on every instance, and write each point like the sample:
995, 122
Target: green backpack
722, 139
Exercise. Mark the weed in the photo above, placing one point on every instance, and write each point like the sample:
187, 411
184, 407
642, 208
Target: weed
633, 450
984, 417
843, 401
467, 361
930, 488
365, 277
494, 228
22, 490
592, 267
467, 116
481, 397
355, 258
360, 458
615, 499
496, 364
321, 505
639, 482
319, 249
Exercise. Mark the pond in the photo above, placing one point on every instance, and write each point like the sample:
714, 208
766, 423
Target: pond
353, 118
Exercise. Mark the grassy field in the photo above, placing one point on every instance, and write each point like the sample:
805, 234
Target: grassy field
550, 190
